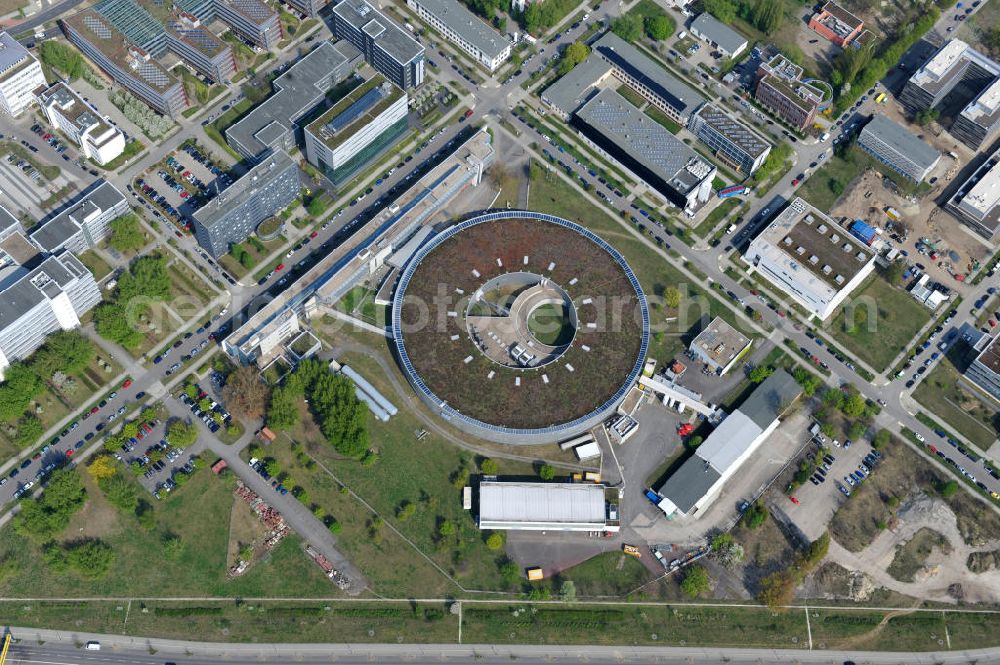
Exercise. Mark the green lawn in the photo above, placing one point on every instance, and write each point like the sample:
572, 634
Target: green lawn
632, 96
885, 321
394, 567
198, 513
717, 215
962, 409
608, 574
834, 177
95, 264
661, 117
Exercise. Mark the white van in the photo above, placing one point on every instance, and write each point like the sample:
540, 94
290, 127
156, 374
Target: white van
825, 136
92, 646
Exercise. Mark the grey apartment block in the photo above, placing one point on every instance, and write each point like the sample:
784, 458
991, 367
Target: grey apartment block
896, 147
985, 369
386, 47
38, 302
84, 222
976, 203
739, 146
264, 191
272, 125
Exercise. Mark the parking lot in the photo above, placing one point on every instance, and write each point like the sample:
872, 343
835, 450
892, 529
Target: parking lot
23, 187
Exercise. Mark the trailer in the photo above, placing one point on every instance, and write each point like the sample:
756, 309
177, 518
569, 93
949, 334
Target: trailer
733, 190
576, 441
587, 451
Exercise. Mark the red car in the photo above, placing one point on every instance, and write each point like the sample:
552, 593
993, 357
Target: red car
795, 182
95, 410
128, 382
794, 500
280, 266
69, 453
313, 234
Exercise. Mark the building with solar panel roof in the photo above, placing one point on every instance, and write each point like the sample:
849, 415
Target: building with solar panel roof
252, 20
645, 147
356, 129
126, 63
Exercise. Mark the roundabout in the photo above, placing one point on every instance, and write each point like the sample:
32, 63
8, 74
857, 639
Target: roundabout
520, 327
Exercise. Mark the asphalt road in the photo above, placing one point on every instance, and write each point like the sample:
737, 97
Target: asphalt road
61, 648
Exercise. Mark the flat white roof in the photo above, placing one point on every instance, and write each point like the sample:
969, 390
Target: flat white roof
727, 442
534, 505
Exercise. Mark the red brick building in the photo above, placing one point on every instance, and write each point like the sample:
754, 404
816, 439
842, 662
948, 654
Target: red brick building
836, 24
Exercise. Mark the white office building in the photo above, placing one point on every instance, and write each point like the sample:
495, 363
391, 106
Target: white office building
20, 75
65, 110
84, 222
356, 129
810, 258
469, 32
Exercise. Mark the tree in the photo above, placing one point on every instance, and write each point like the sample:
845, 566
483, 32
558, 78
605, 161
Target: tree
659, 27
817, 551
126, 234
727, 550
810, 382
991, 39
835, 186
245, 394
696, 581
446, 529
694, 442
49, 514
283, 411
573, 55
834, 398
567, 591
768, 15
672, 297
495, 541
406, 510
65, 351
123, 493
881, 440
29, 429
761, 372
777, 590
854, 405
926, 117
546, 472
91, 559
489, 466
20, 386
755, 516
948, 489
628, 27
103, 467
112, 323
146, 278
856, 430
724, 10
181, 435
62, 57
894, 272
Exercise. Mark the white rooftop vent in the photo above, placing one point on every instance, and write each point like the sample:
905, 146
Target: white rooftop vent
810, 219
827, 270
839, 279
800, 250
860, 256
814, 259
822, 228
848, 247
787, 241
834, 238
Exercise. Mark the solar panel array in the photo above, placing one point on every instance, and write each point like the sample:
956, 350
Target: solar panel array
201, 39
255, 10
97, 26
153, 74
356, 110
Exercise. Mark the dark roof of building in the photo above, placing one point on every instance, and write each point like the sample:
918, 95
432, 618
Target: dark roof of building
689, 483
296, 91
771, 398
748, 140
900, 139
245, 188
7, 220
390, 37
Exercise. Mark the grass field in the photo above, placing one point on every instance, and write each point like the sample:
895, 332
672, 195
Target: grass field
945, 396
608, 574
898, 319
198, 513
95, 264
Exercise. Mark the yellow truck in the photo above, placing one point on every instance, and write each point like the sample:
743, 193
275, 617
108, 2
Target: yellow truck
632, 550
535, 574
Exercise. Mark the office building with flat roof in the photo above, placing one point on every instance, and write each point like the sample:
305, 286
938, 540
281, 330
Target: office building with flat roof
957, 66
738, 146
197, 46
726, 40
720, 346
793, 101
613, 60
697, 483
976, 203
646, 148
386, 47
126, 63
262, 192
36, 302
20, 75
84, 222
896, 147
836, 24
251, 19
66, 110
547, 506
356, 129
811, 258
984, 371
309, 7
466, 30
274, 123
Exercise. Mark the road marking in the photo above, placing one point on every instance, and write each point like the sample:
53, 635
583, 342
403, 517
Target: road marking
809, 629
947, 637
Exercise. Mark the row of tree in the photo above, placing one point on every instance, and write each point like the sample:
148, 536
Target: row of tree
766, 15
66, 351
117, 319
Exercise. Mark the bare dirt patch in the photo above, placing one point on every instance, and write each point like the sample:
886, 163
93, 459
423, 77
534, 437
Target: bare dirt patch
912, 556
98, 517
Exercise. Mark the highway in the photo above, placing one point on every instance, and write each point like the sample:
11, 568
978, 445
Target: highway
65, 648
